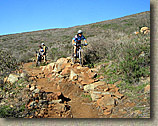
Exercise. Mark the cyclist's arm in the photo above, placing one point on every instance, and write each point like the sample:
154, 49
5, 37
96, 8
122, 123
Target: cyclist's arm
73, 41
85, 41
44, 48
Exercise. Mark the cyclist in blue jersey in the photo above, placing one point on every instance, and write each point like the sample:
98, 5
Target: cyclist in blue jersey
77, 39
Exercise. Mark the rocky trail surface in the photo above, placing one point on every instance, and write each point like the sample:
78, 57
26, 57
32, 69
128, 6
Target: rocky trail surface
66, 90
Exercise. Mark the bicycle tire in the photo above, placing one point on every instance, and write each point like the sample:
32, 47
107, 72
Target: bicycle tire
80, 57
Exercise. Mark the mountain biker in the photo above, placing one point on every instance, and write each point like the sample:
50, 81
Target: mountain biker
77, 40
45, 51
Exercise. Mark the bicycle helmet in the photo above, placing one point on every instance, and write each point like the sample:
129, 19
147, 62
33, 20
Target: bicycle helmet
42, 44
80, 32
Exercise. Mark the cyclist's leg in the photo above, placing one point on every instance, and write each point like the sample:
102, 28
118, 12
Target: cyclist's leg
74, 50
36, 58
44, 58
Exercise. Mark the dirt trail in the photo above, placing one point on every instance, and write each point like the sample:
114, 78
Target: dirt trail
82, 94
81, 107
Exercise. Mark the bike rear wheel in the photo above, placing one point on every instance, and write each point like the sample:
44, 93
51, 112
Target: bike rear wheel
38, 60
37, 63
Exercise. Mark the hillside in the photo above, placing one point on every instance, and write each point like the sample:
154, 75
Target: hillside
114, 81
109, 33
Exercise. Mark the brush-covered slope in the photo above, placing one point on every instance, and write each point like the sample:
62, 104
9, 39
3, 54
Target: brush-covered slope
103, 37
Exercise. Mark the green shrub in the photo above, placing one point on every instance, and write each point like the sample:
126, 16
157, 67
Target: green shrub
6, 111
136, 63
7, 63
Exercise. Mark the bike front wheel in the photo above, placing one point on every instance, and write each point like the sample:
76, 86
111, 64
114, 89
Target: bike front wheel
81, 58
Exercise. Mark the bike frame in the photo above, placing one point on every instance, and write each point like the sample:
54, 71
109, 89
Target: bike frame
78, 53
39, 59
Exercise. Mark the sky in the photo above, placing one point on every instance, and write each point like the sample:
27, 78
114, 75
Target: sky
17, 16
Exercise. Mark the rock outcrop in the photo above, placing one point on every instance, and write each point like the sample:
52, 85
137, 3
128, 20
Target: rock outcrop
105, 96
59, 77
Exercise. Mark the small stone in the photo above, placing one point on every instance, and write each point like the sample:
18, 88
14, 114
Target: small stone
106, 89
87, 81
107, 112
147, 89
129, 104
36, 91
31, 117
39, 87
137, 112
42, 112
45, 116
39, 115
105, 101
23, 75
121, 110
11, 106
5, 79
73, 75
50, 105
32, 88
58, 87
32, 103
2, 103
111, 86
59, 94
36, 113
117, 94
55, 101
101, 77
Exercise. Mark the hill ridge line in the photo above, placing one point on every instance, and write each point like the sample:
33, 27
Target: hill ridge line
76, 25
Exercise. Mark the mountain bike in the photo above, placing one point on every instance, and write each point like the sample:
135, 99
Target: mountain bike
79, 53
39, 58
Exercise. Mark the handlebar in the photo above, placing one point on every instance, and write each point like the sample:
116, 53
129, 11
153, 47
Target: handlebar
80, 44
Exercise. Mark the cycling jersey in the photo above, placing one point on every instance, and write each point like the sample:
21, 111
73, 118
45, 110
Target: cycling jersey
41, 50
78, 38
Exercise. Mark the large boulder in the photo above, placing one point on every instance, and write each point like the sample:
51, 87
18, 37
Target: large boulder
86, 81
12, 78
66, 71
95, 95
59, 64
144, 30
91, 87
106, 101
91, 74
48, 69
147, 89
65, 65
